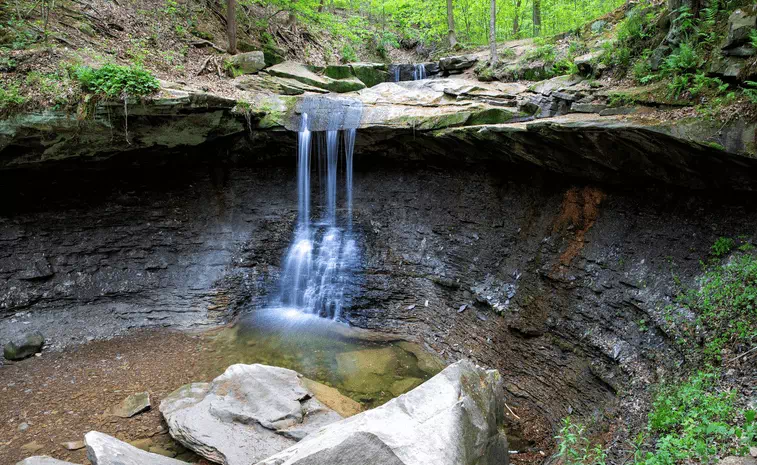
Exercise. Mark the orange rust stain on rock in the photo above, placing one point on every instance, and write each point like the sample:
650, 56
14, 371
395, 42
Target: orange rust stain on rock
579, 212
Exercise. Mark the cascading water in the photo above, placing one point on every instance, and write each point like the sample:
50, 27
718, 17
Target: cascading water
323, 256
419, 72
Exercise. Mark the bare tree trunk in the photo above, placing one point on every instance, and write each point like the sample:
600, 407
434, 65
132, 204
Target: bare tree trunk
292, 17
320, 7
516, 24
537, 17
451, 24
493, 32
231, 25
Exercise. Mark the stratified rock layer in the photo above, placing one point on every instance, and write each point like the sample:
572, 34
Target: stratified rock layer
107, 450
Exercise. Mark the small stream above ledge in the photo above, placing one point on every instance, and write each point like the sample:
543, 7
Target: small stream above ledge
548, 124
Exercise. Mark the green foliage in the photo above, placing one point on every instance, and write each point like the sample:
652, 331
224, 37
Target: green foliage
564, 66
115, 81
725, 304
10, 96
694, 421
753, 38
722, 246
574, 447
751, 91
348, 54
544, 51
619, 99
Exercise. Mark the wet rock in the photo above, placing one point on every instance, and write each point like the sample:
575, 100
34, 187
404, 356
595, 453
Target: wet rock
740, 24
332, 398
132, 405
43, 460
247, 63
24, 346
364, 370
107, 450
401, 386
455, 417
457, 63
266, 409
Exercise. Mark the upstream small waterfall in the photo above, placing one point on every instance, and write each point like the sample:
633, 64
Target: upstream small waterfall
419, 72
323, 255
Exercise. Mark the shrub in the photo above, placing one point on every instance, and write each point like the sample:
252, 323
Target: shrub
115, 81
564, 66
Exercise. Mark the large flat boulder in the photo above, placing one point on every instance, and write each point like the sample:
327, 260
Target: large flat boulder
454, 418
248, 413
107, 450
303, 74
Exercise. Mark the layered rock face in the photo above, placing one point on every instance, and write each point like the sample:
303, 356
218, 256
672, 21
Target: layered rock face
543, 277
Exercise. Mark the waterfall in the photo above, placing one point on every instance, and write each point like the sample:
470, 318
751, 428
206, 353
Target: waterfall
320, 262
419, 72
397, 73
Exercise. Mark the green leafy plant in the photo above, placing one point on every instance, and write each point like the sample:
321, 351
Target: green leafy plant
695, 420
751, 91
348, 53
575, 448
722, 246
115, 81
10, 96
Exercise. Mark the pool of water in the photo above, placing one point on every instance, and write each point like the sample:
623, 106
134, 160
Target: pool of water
362, 365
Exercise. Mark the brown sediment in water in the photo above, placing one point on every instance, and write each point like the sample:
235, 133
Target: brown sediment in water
64, 395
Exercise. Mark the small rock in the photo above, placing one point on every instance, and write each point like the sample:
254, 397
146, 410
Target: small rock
462, 308
738, 461
753, 451
410, 307
132, 405
32, 447
24, 346
43, 460
598, 26
23, 427
106, 450
73, 445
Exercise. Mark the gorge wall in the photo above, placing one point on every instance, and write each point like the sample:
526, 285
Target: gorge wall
555, 281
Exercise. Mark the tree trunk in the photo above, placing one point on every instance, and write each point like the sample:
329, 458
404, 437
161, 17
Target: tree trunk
537, 18
451, 24
292, 17
493, 32
516, 24
320, 7
231, 25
